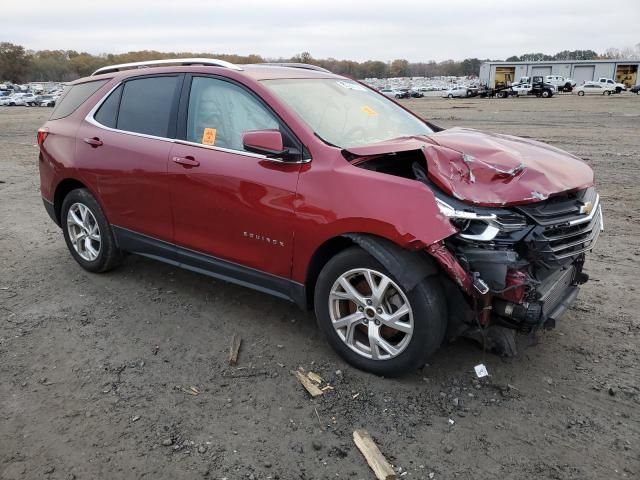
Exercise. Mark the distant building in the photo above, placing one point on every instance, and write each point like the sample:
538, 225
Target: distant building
581, 71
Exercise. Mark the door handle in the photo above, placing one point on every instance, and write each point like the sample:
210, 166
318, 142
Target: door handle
187, 161
95, 142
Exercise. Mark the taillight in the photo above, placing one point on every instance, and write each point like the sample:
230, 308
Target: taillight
42, 135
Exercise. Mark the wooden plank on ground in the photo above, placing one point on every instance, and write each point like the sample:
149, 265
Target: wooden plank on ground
380, 466
311, 387
234, 349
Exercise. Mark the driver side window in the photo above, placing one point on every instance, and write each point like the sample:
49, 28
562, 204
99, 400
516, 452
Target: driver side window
220, 112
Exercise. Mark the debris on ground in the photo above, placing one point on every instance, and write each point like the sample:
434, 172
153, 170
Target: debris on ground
234, 349
191, 390
312, 382
481, 370
372, 454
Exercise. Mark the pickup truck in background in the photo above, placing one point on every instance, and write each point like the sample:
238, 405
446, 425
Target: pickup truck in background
561, 83
615, 86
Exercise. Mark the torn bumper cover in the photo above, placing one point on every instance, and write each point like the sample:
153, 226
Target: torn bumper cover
521, 267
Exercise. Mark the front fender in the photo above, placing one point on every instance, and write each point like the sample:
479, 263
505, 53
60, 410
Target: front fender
339, 199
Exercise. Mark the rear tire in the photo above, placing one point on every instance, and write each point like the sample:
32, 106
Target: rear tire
87, 233
581, 93
607, 92
423, 325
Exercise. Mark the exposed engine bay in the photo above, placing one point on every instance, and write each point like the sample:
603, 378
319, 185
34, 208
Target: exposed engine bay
517, 267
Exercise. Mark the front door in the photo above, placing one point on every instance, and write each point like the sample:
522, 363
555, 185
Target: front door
233, 210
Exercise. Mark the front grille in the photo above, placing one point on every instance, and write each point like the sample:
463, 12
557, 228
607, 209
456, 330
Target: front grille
553, 289
563, 232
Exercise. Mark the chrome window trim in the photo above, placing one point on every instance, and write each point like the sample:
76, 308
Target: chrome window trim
90, 118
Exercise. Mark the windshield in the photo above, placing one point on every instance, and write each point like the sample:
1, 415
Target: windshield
345, 113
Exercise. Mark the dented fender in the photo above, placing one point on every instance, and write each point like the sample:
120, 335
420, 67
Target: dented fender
401, 210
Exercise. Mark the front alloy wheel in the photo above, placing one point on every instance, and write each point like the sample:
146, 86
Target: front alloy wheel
371, 314
371, 320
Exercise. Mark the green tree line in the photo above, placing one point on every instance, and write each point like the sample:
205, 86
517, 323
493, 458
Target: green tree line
20, 65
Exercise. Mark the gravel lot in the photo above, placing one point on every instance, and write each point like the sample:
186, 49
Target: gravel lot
96, 369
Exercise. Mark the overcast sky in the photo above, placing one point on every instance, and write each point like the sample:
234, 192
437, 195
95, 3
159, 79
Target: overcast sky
417, 30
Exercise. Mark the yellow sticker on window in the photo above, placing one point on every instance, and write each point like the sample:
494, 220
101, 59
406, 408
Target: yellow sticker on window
209, 136
369, 111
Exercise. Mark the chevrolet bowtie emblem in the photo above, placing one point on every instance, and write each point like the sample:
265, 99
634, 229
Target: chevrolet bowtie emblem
586, 208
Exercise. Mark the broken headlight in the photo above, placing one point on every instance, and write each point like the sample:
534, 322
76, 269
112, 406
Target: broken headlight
481, 225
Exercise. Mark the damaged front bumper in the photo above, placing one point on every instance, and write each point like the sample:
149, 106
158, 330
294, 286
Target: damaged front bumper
519, 267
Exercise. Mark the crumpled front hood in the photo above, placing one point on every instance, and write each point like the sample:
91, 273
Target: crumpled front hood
493, 170
490, 169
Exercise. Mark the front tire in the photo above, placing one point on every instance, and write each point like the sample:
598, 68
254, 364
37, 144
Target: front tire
371, 321
87, 233
607, 92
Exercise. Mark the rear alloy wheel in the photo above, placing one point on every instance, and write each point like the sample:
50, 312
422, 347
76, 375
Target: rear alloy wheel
581, 93
84, 231
371, 321
449, 96
607, 92
87, 233
546, 94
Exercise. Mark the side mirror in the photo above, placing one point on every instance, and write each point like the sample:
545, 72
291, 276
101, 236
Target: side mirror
266, 142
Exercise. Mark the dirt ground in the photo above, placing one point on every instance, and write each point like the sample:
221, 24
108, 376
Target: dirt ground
95, 369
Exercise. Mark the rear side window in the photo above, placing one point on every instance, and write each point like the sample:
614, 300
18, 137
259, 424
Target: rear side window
73, 97
107, 114
146, 105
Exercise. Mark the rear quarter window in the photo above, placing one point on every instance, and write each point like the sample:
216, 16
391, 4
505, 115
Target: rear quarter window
74, 96
107, 114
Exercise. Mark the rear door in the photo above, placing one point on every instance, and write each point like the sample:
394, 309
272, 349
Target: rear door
231, 206
126, 142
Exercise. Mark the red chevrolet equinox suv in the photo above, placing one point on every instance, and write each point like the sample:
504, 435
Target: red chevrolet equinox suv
318, 189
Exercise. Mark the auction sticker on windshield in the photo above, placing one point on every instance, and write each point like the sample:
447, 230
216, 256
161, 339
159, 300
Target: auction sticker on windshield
369, 111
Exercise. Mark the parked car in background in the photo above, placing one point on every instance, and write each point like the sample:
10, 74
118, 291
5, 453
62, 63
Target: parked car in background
593, 88
522, 89
456, 91
613, 86
389, 92
30, 99
635, 89
47, 100
13, 100
416, 93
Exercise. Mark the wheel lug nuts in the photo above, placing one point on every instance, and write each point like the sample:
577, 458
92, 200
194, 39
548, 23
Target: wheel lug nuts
377, 322
361, 309
369, 302
365, 321
379, 310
